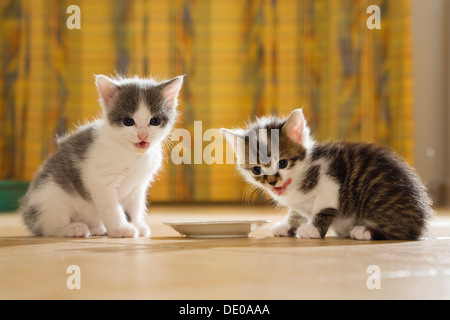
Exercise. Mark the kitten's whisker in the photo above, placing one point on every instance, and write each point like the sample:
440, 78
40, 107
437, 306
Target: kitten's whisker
253, 193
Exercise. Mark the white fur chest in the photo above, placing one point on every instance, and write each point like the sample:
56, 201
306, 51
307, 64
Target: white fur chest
114, 167
298, 201
139, 171
325, 194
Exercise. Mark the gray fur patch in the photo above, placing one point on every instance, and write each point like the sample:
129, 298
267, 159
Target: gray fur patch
125, 104
30, 215
130, 94
311, 178
323, 220
159, 108
295, 220
64, 166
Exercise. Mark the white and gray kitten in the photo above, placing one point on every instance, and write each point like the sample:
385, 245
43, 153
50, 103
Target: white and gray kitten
363, 191
96, 182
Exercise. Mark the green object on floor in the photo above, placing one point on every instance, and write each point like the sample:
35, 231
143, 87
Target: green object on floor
10, 193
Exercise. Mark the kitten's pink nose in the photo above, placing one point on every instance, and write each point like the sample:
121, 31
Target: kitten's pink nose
142, 135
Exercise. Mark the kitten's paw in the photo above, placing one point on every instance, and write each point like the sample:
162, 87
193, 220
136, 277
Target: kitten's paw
308, 231
144, 230
281, 230
77, 230
126, 231
99, 230
360, 233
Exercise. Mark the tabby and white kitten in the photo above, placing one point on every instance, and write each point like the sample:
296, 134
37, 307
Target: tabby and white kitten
363, 191
96, 182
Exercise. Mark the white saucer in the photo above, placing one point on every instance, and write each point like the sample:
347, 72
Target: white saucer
216, 229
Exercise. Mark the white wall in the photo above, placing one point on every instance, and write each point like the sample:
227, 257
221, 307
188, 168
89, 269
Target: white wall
430, 37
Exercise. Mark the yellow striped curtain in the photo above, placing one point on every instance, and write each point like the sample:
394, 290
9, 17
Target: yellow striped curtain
241, 58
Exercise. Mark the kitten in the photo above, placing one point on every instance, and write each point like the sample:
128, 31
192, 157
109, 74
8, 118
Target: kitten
96, 182
363, 191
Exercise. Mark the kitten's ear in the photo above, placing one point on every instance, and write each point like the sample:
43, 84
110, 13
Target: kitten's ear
295, 127
107, 90
171, 88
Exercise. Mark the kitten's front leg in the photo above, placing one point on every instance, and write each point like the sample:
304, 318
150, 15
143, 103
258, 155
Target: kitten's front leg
323, 211
319, 226
136, 210
112, 214
289, 228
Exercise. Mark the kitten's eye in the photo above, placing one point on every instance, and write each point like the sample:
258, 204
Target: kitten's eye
128, 122
256, 170
155, 121
282, 164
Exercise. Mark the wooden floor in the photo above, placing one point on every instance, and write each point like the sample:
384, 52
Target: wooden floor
169, 266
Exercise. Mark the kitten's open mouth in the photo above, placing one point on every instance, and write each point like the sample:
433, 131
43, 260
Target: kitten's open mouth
280, 190
142, 145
